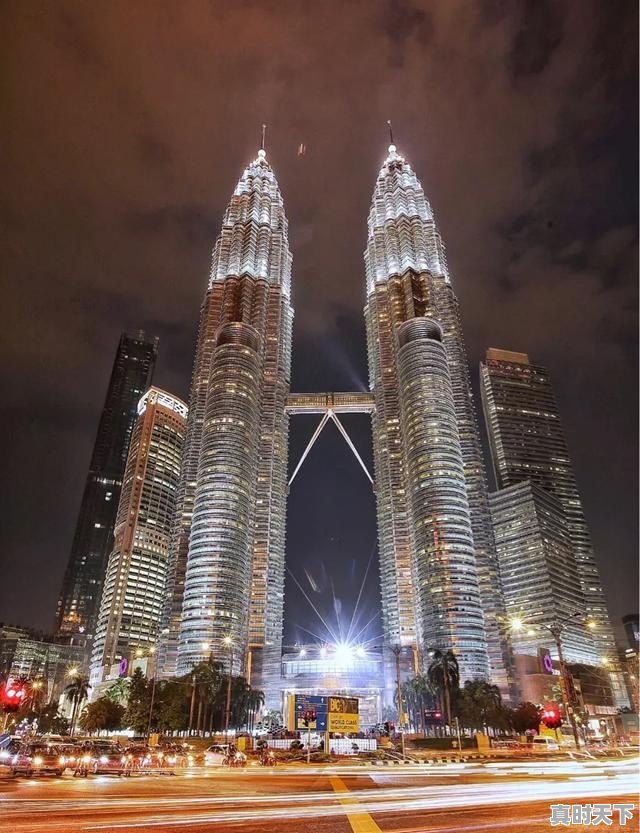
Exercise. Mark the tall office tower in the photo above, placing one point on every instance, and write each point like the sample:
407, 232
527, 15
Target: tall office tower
82, 584
228, 544
448, 598
407, 278
539, 575
136, 576
528, 442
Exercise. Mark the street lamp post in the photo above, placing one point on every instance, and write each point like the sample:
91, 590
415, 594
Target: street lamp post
555, 630
227, 711
397, 650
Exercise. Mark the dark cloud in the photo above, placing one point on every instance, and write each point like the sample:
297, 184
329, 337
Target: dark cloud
540, 34
126, 129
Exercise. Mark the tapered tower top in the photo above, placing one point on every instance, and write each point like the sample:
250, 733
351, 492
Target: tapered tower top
254, 236
401, 229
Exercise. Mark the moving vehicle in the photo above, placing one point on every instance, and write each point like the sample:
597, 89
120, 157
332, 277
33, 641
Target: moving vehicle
224, 754
103, 757
543, 743
38, 758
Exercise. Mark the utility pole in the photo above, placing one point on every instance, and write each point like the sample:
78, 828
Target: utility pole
397, 650
193, 702
556, 632
227, 711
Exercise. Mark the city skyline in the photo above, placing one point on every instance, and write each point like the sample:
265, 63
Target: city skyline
299, 174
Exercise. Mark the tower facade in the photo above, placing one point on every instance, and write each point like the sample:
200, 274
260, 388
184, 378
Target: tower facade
539, 575
80, 596
136, 575
226, 578
528, 442
408, 281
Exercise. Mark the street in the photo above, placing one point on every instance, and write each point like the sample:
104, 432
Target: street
510, 796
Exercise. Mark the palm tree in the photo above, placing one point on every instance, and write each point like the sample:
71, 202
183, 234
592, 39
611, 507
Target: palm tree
76, 692
444, 675
119, 691
255, 701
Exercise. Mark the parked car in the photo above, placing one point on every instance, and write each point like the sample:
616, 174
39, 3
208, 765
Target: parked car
38, 758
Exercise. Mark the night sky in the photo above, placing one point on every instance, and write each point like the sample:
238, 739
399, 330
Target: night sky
126, 127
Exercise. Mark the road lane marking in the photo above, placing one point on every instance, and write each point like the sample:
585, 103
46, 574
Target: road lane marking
360, 820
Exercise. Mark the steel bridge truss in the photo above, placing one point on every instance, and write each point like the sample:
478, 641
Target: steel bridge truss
330, 405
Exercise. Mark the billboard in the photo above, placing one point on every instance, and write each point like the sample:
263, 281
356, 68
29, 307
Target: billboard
333, 714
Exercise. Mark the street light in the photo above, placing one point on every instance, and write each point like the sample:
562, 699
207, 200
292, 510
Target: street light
555, 629
227, 641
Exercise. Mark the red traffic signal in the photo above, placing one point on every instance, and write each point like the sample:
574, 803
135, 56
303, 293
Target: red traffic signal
13, 696
550, 716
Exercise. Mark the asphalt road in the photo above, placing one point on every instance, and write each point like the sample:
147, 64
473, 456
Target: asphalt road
444, 798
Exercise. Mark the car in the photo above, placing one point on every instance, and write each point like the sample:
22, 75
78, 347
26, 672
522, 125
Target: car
103, 757
224, 754
38, 758
542, 743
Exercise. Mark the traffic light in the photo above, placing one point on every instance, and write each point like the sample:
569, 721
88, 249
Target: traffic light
550, 716
432, 716
13, 696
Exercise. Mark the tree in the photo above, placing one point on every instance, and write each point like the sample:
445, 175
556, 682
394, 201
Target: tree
525, 717
479, 705
171, 706
255, 701
417, 692
51, 721
271, 720
119, 691
444, 675
136, 715
102, 715
76, 692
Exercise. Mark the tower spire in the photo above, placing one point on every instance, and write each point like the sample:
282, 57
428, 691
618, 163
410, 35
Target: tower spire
390, 132
264, 135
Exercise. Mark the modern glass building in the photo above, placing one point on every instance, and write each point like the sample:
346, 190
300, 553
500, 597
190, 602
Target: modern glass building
136, 575
407, 280
226, 582
341, 670
131, 375
539, 575
528, 442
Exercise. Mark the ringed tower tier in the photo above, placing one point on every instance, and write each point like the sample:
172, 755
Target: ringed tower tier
226, 584
438, 567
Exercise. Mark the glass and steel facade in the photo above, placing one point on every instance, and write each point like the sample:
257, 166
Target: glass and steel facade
528, 442
407, 278
136, 575
93, 539
226, 575
539, 575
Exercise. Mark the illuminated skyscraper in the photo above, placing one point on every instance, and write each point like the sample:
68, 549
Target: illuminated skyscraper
93, 539
539, 575
438, 566
226, 581
136, 576
528, 442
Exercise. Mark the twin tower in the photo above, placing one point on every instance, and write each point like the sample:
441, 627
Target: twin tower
439, 577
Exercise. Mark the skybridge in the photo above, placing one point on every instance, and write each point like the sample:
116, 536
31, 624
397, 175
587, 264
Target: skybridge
330, 405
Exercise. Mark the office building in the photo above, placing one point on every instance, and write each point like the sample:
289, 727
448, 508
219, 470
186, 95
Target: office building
528, 442
136, 576
131, 375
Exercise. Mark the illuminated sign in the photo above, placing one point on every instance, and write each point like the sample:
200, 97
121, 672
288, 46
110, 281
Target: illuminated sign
332, 714
545, 662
